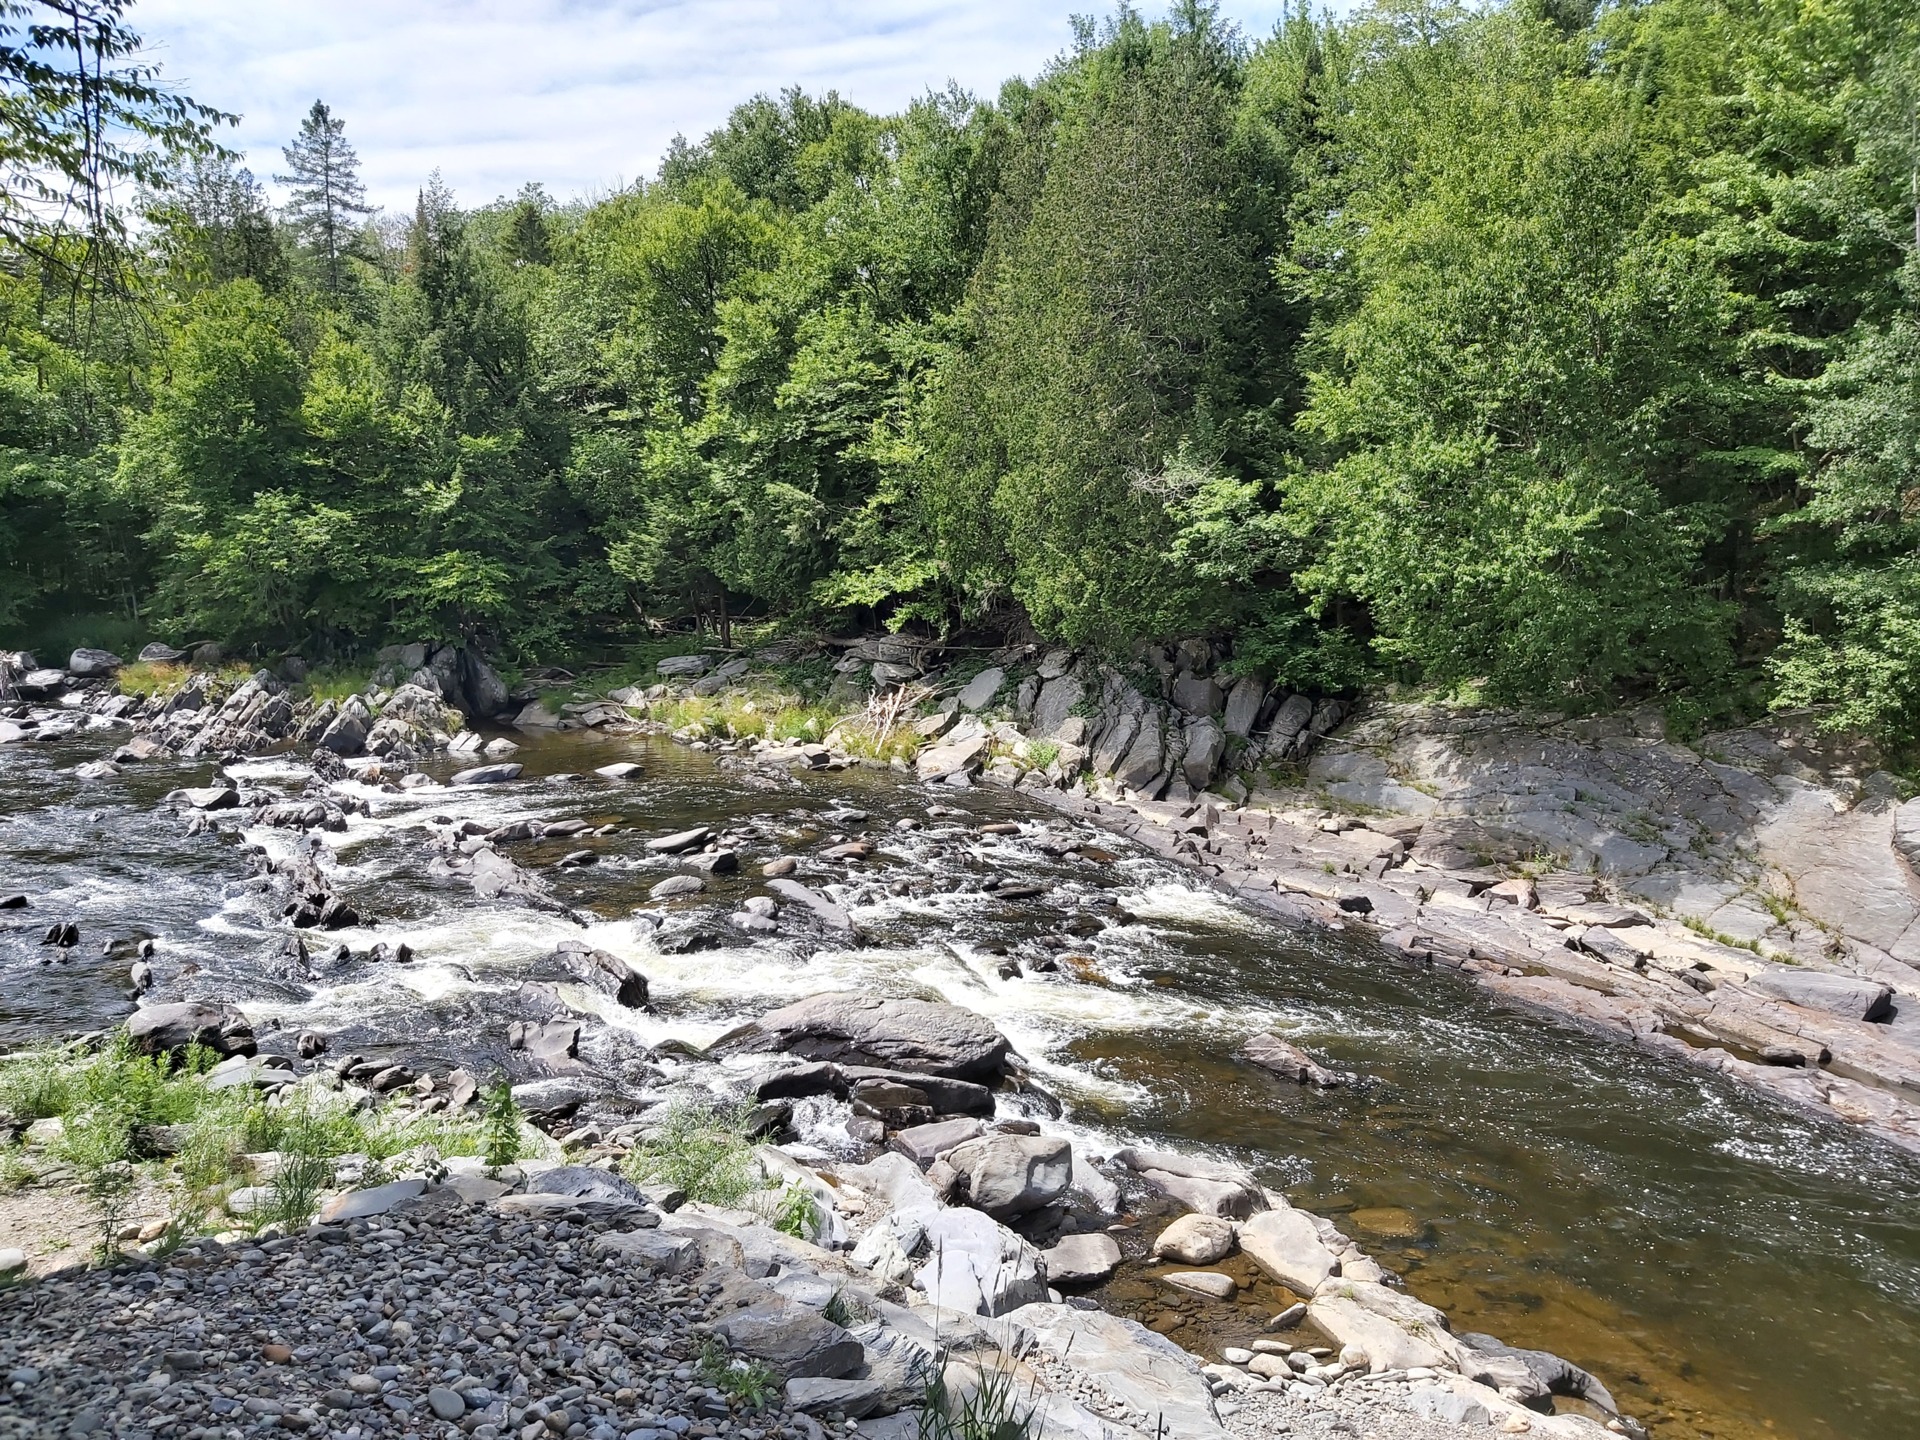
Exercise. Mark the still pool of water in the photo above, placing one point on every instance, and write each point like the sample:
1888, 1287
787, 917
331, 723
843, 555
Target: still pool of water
1727, 1268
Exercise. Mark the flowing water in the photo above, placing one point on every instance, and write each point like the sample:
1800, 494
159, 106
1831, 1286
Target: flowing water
1728, 1269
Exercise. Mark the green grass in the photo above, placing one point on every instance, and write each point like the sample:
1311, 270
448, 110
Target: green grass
749, 1382
149, 677
704, 1150
107, 1098
337, 682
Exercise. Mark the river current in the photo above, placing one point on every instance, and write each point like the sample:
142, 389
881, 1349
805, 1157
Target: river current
1726, 1267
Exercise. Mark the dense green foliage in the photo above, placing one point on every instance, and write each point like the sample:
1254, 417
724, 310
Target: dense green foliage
1567, 354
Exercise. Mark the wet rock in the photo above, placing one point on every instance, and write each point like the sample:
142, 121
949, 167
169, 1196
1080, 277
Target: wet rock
63, 934
608, 974
1208, 1187
1208, 1283
717, 862
823, 908
1508, 1369
683, 840
550, 1042
1276, 1056
1008, 1175
212, 797
167, 1029
785, 865
88, 663
13, 902
487, 775
96, 770
347, 734
1195, 1240
1287, 1245
619, 770
41, 684
909, 1035
1082, 1259
676, 885
955, 757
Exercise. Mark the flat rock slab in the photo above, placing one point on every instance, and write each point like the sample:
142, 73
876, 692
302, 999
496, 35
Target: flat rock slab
923, 1144
1081, 1259
619, 770
1210, 1283
910, 1035
683, 840
359, 1204
1147, 1371
1287, 1245
1846, 995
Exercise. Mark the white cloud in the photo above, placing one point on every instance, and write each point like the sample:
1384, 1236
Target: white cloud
581, 95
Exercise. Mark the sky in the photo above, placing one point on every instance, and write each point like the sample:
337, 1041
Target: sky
581, 95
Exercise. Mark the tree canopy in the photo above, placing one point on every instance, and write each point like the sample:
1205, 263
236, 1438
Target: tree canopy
1569, 355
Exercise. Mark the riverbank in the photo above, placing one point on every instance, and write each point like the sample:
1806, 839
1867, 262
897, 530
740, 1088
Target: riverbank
845, 859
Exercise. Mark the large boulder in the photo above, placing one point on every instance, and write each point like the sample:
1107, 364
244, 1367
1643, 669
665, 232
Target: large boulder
89, 663
1008, 1175
978, 692
481, 686
977, 1266
955, 757
156, 653
1195, 1240
166, 1029
788, 1338
913, 1035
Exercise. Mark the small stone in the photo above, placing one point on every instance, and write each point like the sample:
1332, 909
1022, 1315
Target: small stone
12, 1261
446, 1403
1234, 1355
1210, 1283
677, 885
276, 1354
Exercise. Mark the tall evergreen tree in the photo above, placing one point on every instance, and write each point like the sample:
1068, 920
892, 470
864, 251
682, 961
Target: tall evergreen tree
327, 193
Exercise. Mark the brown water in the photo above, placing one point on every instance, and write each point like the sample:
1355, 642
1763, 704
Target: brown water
1727, 1268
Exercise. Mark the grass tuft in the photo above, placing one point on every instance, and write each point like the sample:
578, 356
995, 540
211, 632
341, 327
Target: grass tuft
704, 1150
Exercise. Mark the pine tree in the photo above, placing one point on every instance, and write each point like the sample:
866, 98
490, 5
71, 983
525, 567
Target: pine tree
327, 193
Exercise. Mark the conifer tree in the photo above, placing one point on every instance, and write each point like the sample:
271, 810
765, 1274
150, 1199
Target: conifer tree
327, 193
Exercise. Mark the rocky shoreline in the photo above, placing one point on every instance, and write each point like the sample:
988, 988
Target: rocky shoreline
955, 1247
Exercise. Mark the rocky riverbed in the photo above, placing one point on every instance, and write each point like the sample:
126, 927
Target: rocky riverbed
397, 995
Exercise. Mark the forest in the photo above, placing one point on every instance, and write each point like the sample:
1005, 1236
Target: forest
1542, 353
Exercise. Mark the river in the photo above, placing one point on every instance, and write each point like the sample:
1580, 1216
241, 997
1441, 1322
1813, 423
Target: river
1726, 1267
